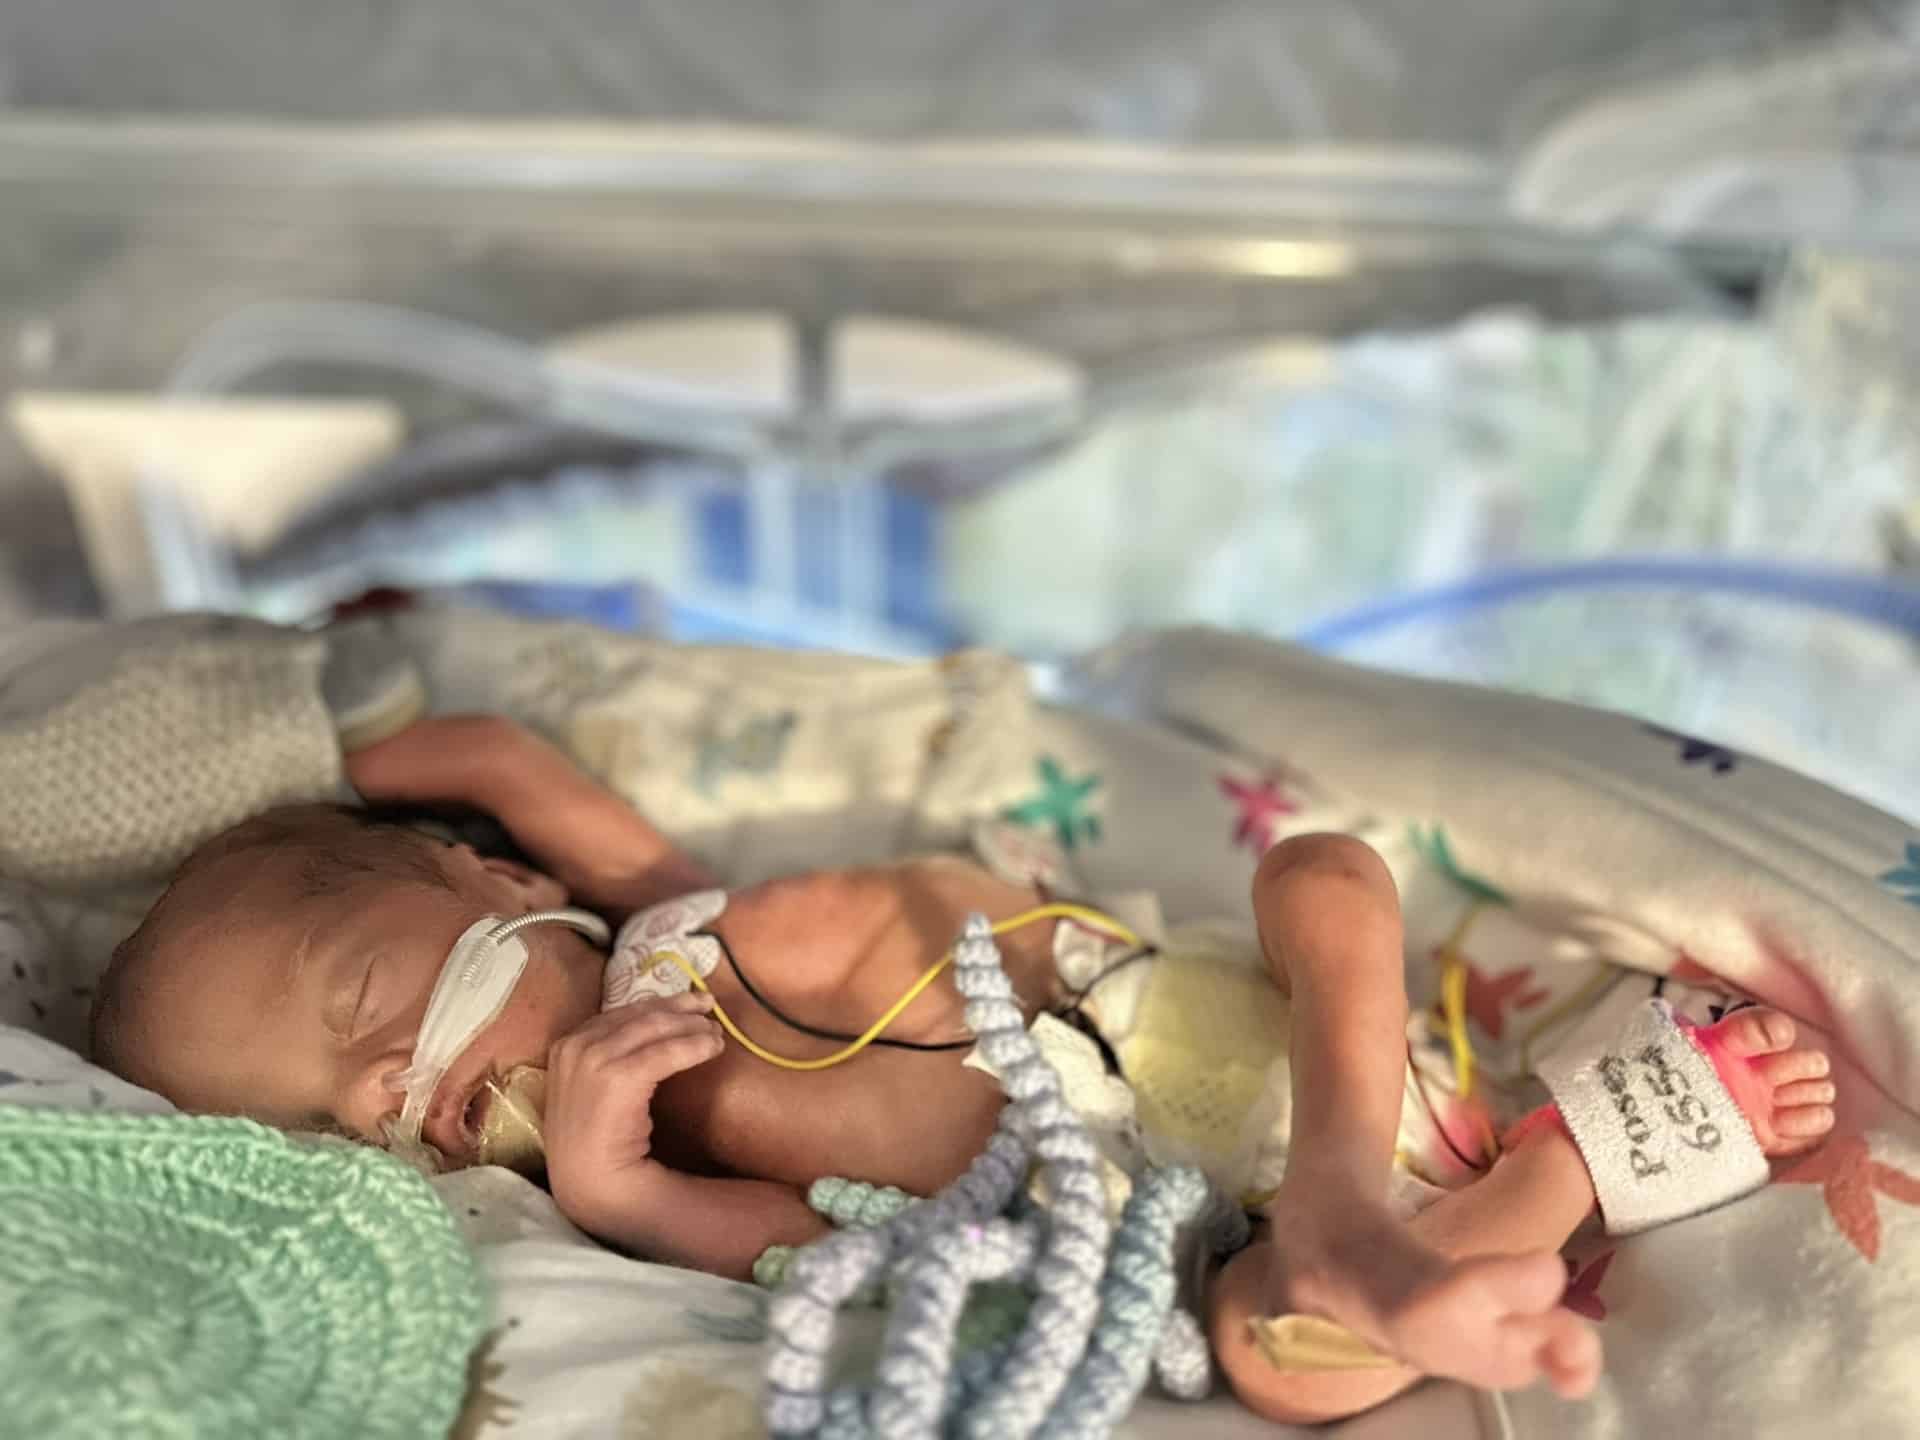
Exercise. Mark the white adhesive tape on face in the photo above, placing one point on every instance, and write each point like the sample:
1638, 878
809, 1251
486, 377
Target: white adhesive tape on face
476, 978
1661, 1137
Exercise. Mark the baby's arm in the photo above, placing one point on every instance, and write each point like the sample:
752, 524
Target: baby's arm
598, 1130
710, 1223
581, 833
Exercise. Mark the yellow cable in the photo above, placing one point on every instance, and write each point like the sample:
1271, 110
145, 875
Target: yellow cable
1453, 1001
1057, 910
1597, 984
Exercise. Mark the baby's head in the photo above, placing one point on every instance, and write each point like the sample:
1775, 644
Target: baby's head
285, 973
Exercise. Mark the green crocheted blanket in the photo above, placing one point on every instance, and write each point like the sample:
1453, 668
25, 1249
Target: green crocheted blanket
167, 1275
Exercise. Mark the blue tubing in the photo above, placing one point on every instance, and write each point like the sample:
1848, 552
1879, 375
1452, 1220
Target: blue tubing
1888, 603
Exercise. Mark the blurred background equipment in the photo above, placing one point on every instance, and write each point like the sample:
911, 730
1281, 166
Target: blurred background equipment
1567, 352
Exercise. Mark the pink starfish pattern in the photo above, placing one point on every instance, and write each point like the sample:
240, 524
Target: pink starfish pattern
1262, 804
1488, 999
1464, 1126
1851, 1179
1583, 1288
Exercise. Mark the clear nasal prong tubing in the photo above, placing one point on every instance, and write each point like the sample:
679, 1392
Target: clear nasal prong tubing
585, 921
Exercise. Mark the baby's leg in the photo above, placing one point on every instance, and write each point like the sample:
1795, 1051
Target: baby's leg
1477, 1310
1329, 920
1533, 1199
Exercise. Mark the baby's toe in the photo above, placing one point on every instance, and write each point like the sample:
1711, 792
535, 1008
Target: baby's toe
1790, 1066
1755, 1032
1520, 1284
1571, 1360
1804, 1092
1803, 1122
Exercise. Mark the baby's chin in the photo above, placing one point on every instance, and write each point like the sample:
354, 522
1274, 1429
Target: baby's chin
501, 1127
507, 1128
333, 1130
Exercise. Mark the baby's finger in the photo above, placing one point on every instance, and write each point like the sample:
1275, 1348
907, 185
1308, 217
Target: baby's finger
650, 1064
615, 1033
689, 1002
652, 1031
612, 1046
584, 1034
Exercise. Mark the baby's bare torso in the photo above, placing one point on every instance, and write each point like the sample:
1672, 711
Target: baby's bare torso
834, 950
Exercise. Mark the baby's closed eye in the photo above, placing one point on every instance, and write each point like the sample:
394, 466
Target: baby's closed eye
351, 1006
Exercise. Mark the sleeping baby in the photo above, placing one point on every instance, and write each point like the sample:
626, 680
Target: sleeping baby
320, 966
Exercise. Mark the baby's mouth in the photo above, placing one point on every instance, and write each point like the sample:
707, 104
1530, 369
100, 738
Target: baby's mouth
473, 1116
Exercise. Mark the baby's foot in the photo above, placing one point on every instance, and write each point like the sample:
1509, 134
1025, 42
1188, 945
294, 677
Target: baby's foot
1782, 1089
1493, 1321
1496, 1321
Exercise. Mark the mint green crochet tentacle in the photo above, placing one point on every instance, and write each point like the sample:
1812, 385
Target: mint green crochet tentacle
843, 1203
854, 1202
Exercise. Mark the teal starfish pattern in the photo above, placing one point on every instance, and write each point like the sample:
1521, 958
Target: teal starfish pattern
1904, 880
743, 1327
1431, 844
1061, 803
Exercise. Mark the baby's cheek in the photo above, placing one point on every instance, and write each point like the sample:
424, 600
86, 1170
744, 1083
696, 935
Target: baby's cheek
541, 1014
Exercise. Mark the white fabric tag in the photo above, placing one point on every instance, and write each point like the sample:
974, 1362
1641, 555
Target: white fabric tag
1104, 1102
1661, 1137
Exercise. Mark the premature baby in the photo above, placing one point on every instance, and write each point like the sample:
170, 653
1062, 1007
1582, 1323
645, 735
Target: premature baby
286, 972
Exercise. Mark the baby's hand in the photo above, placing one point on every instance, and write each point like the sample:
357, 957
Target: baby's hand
598, 1125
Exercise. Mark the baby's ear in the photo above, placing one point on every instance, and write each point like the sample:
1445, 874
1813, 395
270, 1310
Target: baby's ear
533, 889
370, 1098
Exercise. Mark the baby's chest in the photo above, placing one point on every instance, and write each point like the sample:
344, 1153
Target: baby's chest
842, 946
888, 1116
